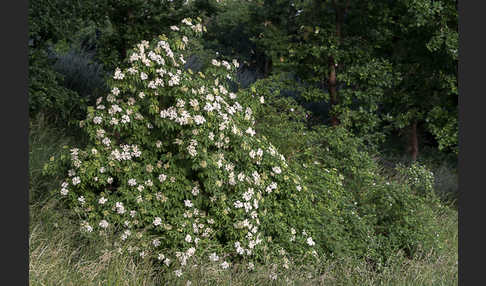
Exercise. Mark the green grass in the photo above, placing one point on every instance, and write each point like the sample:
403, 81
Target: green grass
59, 256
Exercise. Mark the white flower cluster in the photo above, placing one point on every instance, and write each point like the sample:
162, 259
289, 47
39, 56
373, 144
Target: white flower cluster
209, 125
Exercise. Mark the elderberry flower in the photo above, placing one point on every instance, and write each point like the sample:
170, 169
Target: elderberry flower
103, 224
157, 221
97, 120
132, 182
213, 257
310, 241
120, 208
188, 238
162, 177
224, 265
188, 203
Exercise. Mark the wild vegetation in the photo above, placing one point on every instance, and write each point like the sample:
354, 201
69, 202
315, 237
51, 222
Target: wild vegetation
243, 142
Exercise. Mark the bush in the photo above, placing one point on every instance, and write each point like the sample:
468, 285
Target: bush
174, 166
48, 97
360, 210
418, 177
80, 73
401, 219
446, 185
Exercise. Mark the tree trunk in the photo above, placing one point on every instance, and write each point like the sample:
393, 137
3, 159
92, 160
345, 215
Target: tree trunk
413, 147
332, 80
268, 67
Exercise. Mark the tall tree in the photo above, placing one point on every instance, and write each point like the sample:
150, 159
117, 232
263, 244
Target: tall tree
332, 46
370, 60
424, 53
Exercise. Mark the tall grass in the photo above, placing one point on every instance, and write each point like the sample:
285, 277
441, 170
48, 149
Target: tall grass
45, 142
60, 256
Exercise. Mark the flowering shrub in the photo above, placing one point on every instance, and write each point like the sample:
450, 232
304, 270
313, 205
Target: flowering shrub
418, 177
358, 210
175, 167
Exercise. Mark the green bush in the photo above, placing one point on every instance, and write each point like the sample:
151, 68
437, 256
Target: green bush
360, 210
418, 177
80, 73
47, 96
175, 167
401, 219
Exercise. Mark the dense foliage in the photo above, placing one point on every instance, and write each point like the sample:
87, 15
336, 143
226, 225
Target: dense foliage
250, 131
174, 162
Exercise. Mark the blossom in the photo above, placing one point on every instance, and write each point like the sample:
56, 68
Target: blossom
310, 241
120, 208
106, 141
224, 265
81, 200
103, 224
118, 74
174, 28
250, 131
64, 191
273, 276
178, 273
199, 119
277, 170
97, 120
102, 200
157, 221
188, 203
100, 133
188, 238
191, 251
195, 191
156, 242
213, 257
186, 21
238, 204
132, 182
125, 118
76, 180
115, 91
167, 262
143, 76
162, 177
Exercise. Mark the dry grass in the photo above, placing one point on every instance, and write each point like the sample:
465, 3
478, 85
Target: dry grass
59, 257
